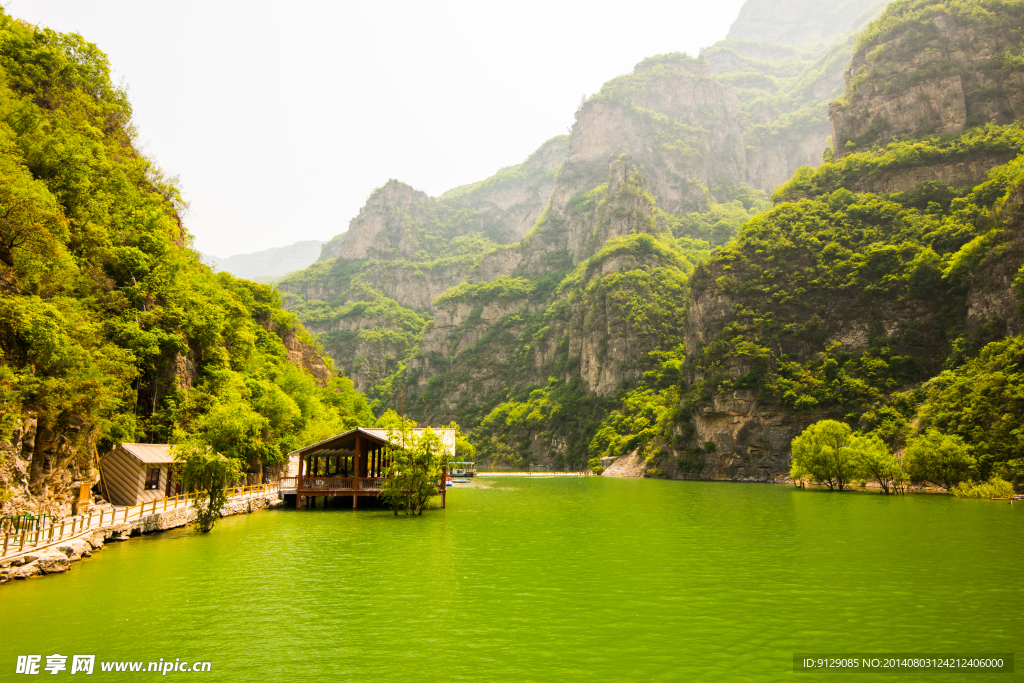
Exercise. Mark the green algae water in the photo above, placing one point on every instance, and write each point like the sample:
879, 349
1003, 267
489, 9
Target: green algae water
546, 579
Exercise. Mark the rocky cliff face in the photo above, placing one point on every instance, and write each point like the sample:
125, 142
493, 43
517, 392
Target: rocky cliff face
751, 440
671, 119
955, 173
929, 70
306, 357
511, 201
44, 470
365, 359
416, 287
749, 436
783, 93
380, 228
399, 221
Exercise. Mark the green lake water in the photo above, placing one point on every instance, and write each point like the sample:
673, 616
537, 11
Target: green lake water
546, 579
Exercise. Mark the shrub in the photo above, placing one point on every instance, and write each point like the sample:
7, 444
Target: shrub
995, 487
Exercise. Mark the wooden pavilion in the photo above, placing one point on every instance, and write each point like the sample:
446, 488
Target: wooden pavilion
349, 464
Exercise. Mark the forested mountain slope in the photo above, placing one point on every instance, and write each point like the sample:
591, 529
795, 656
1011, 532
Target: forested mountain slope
882, 281
110, 327
680, 150
703, 135
633, 316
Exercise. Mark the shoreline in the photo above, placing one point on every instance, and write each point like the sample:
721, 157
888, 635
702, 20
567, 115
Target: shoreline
57, 557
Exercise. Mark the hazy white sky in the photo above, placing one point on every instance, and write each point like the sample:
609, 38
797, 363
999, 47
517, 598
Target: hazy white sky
281, 118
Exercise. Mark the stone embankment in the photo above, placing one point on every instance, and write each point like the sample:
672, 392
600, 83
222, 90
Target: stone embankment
56, 558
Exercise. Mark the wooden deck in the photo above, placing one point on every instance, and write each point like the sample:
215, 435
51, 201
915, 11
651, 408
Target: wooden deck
333, 486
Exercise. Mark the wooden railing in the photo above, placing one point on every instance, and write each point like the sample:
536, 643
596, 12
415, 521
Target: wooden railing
341, 483
327, 483
17, 542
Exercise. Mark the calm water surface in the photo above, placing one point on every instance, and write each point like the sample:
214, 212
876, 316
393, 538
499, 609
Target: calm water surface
547, 579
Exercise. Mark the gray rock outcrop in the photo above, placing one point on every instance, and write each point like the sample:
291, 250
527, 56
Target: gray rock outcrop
935, 76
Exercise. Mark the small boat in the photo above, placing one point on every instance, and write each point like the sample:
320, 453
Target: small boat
462, 469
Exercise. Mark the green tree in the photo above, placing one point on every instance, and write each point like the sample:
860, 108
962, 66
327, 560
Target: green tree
417, 461
465, 451
942, 459
822, 452
206, 474
874, 461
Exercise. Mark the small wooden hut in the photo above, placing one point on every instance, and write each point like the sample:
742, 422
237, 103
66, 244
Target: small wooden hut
136, 473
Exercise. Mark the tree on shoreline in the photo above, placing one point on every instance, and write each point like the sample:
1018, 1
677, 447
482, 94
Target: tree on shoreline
940, 458
874, 461
205, 474
822, 452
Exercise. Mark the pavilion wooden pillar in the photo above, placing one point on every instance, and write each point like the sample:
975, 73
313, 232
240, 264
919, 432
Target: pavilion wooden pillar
356, 470
298, 485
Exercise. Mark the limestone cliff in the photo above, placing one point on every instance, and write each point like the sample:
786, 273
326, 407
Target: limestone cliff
995, 301
930, 68
399, 222
44, 470
305, 356
510, 201
676, 123
378, 230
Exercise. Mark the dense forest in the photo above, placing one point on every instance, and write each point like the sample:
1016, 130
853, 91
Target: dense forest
111, 330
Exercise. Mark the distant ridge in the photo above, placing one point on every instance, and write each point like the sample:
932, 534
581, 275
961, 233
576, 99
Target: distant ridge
794, 22
268, 264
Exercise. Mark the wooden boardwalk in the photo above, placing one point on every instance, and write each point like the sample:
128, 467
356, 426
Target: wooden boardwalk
20, 542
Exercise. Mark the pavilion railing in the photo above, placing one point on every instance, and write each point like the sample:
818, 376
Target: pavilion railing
327, 483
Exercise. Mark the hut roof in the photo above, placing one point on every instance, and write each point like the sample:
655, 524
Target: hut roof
149, 453
379, 435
